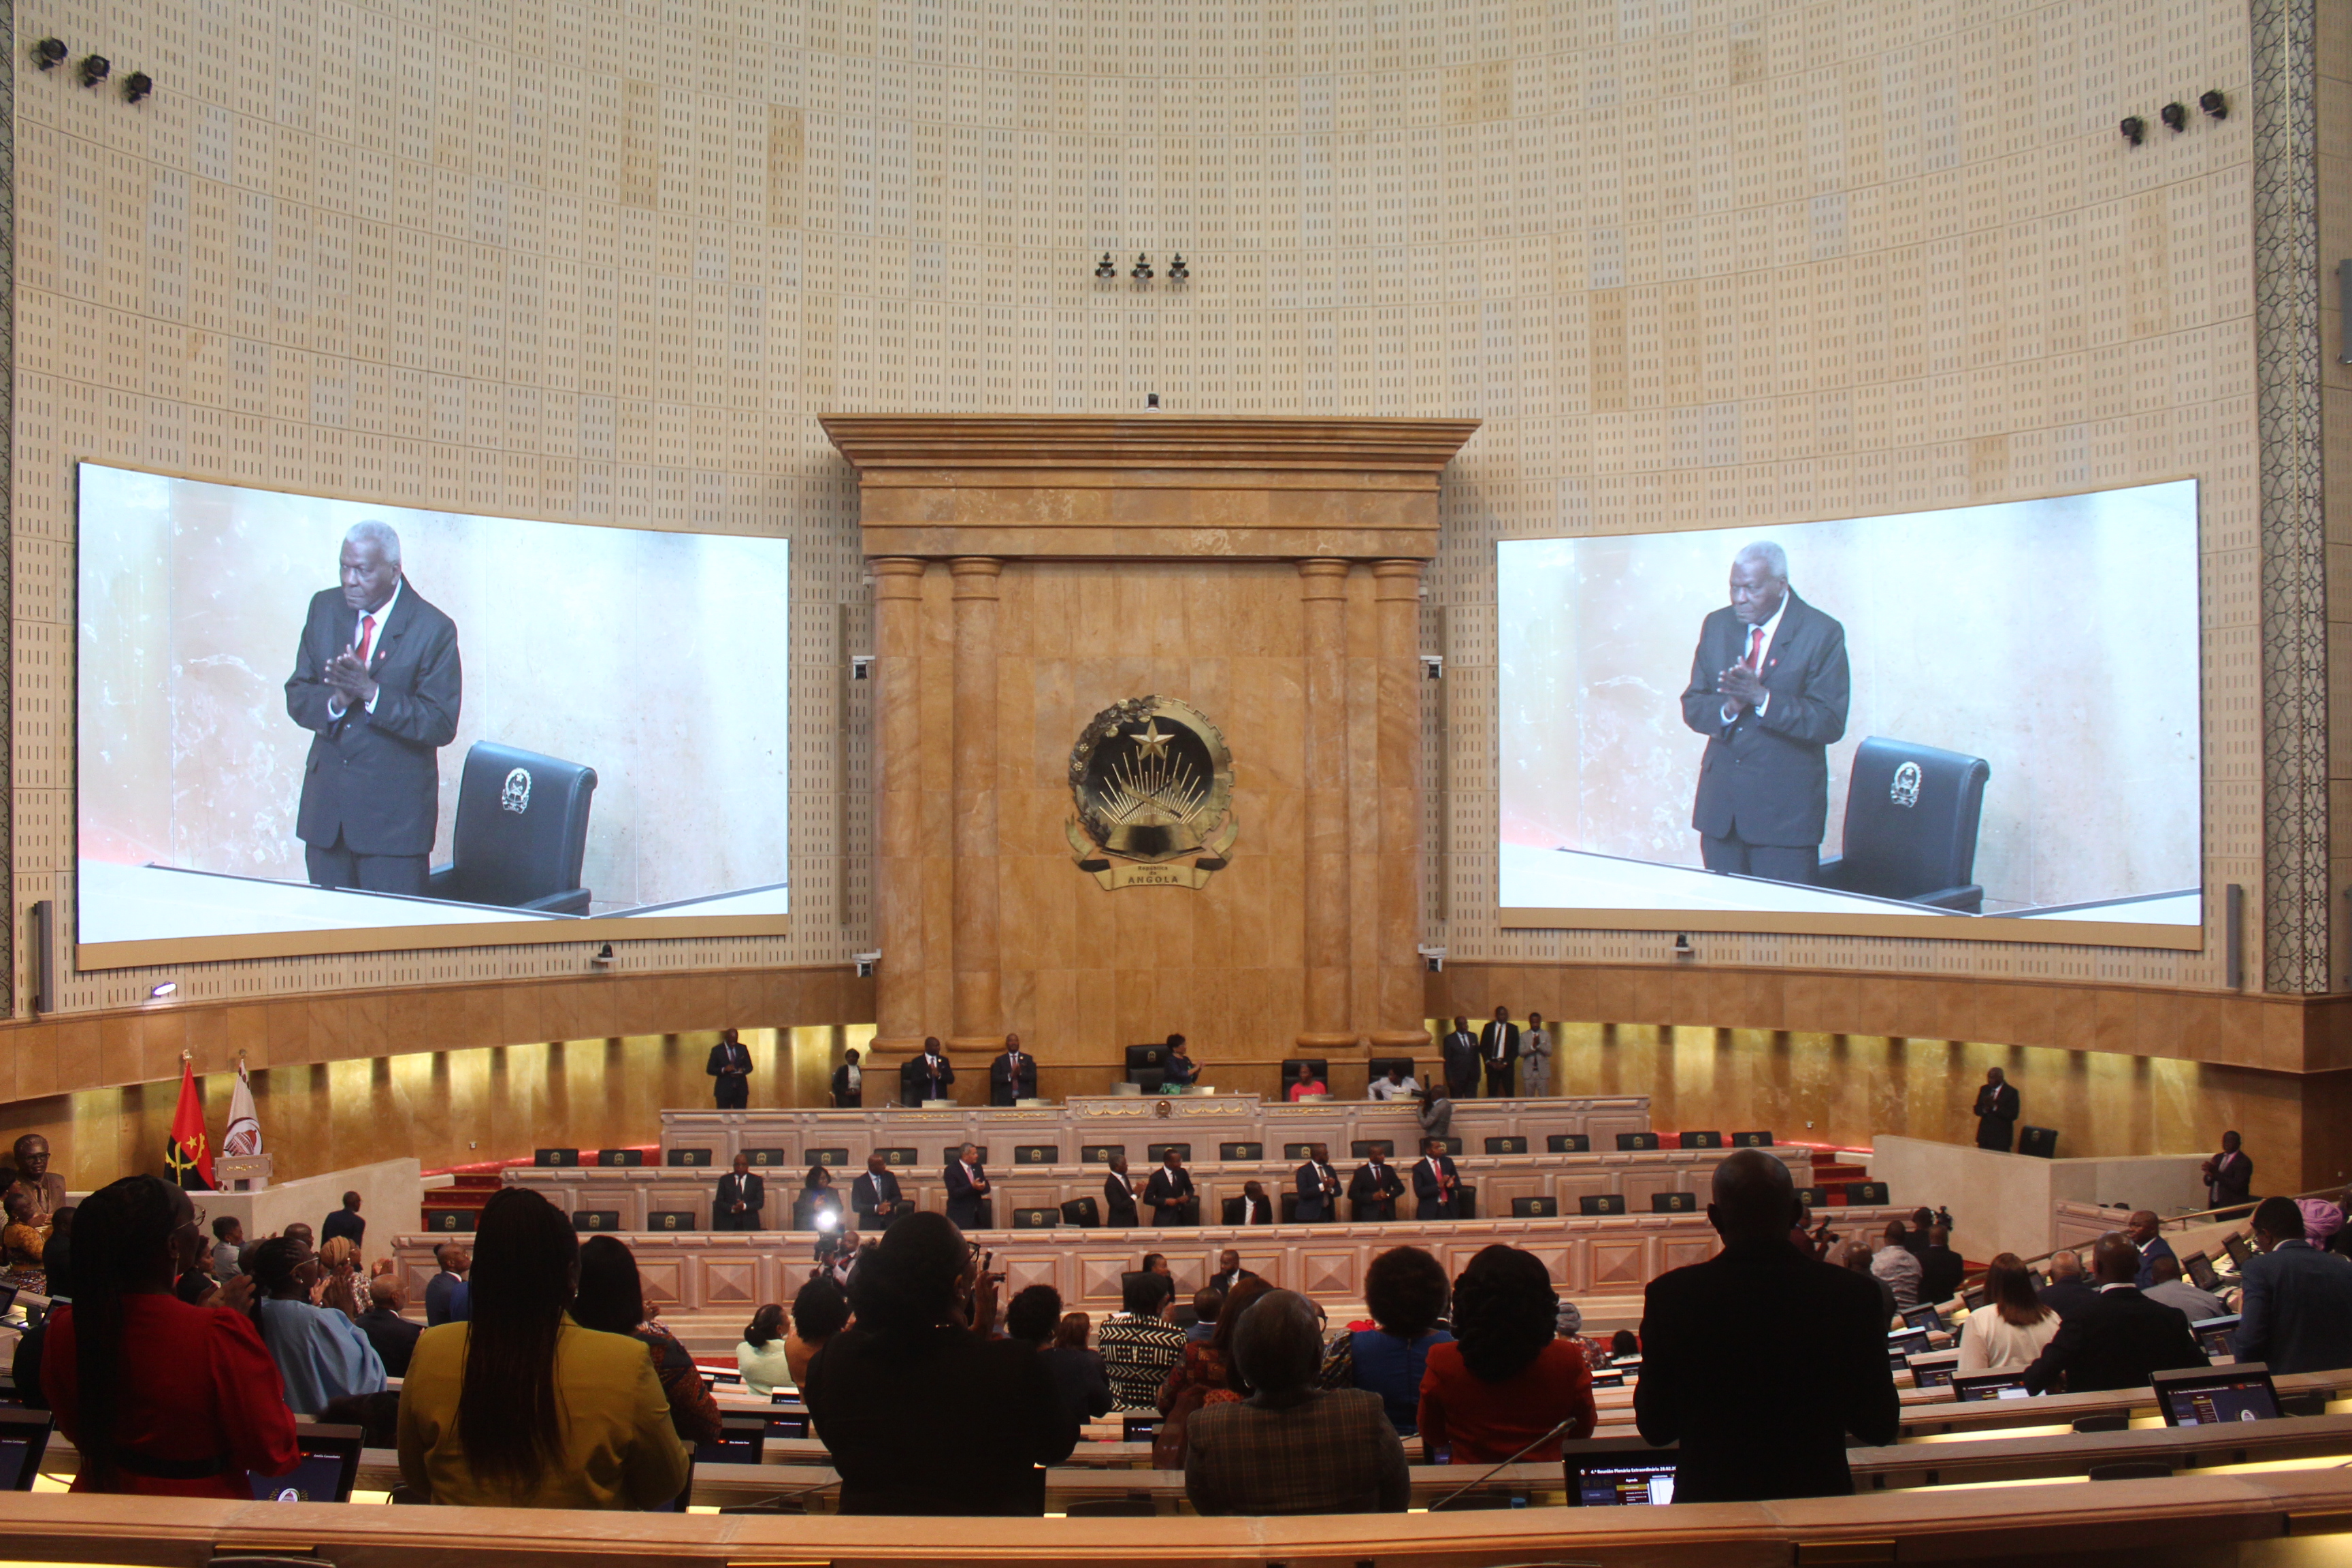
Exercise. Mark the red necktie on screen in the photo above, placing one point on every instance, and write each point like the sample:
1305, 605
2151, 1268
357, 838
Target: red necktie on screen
367, 634
1755, 659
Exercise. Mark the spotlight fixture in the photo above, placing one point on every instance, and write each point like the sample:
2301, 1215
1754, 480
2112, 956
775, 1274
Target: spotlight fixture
50, 54
2214, 104
2175, 117
1142, 270
137, 86
1151, 402
1177, 271
165, 991
603, 957
2134, 128
94, 70
1104, 268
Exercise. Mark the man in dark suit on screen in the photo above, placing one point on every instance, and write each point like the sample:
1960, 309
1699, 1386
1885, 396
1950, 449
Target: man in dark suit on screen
377, 683
875, 1196
1768, 689
1997, 1110
730, 1067
742, 1193
1013, 1076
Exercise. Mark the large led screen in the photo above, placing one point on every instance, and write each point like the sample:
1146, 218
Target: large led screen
1981, 720
315, 725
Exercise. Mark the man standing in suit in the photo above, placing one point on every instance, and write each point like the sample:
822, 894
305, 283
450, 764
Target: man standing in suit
848, 1082
2118, 1341
1996, 1111
1498, 1051
1459, 1051
1374, 1188
345, 1221
446, 1296
2296, 1313
741, 1193
1170, 1190
874, 1197
2229, 1176
1768, 689
1435, 1183
927, 1075
1118, 1195
968, 1188
378, 684
1762, 1359
1011, 1076
730, 1067
1317, 1186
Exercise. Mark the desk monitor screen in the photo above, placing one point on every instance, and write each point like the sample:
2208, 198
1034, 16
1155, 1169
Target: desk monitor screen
1614, 1483
1972, 1386
2204, 1397
2238, 1250
2216, 1336
2200, 1272
1933, 1374
24, 1438
1904, 1343
1138, 1428
8, 1300
740, 1443
1618, 657
533, 806
330, 1463
1925, 1317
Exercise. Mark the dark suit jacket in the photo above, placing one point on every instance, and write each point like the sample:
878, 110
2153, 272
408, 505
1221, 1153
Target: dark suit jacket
1424, 1187
372, 778
842, 1098
1940, 1272
1168, 1188
917, 1084
723, 1055
939, 1421
1314, 1202
1759, 1361
1005, 1085
1487, 1043
1769, 774
1996, 1114
2297, 1311
2232, 1183
2156, 1247
1460, 1053
394, 1337
1119, 1201
1265, 1214
2068, 1297
343, 1222
754, 1194
964, 1197
1364, 1188
2114, 1343
447, 1300
868, 1192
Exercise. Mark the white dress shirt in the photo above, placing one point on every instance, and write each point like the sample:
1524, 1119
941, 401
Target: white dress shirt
1771, 629
381, 617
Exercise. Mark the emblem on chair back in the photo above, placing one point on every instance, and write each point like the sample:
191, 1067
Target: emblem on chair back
516, 795
1905, 791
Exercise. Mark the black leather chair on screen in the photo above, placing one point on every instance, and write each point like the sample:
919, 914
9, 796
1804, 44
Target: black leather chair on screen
1911, 826
521, 832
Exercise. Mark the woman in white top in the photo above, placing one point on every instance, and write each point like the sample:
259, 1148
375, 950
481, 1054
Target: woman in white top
761, 1356
1534, 1058
2009, 1332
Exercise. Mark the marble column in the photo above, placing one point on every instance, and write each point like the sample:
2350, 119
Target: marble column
1322, 592
1396, 906
898, 797
979, 1008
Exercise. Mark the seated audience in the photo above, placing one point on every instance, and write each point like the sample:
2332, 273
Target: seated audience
446, 1296
1506, 1379
192, 1262
1760, 1361
1405, 1290
2297, 1306
1622, 1344
764, 1357
1940, 1268
1396, 1083
2174, 1291
517, 1405
1291, 1447
21, 1240
1855, 1256
1207, 1302
393, 1335
921, 1411
1035, 1318
339, 1284
1140, 1343
2067, 1292
2013, 1327
320, 1352
2144, 1231
611, 1299
820, 1310
1896, 1263
1202, 1375
2119, 1339
158, 1398
228, 1241
1307, 1083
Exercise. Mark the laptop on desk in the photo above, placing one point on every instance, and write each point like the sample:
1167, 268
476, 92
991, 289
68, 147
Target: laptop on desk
1904, 1343
1925, 1317
1618, 1474
2216, 1336
329, 1464
2201, 1273
23, 1438
1970, 1387
1934, 1369
2207, 1396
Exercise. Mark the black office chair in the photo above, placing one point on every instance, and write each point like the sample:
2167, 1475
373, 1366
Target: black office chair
1295, 1068
1144, 1064
1082, 1212
521, 832
1911, 826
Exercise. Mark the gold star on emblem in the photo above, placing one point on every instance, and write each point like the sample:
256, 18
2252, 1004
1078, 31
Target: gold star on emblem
1149, 741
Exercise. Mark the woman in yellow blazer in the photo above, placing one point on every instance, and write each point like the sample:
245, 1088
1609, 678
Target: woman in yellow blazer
522, 1408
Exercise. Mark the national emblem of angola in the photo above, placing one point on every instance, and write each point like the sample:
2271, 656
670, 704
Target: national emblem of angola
1154, 785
